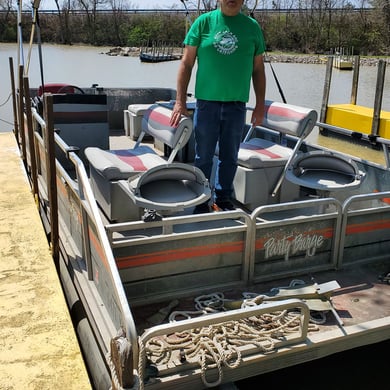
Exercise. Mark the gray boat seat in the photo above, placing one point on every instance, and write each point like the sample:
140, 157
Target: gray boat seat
109, 167
262, 163
324, 172
168, 188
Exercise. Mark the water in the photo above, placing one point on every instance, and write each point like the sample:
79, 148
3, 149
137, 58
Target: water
302, 84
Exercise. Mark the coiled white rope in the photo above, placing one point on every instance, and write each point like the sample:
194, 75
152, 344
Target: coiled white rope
218, 345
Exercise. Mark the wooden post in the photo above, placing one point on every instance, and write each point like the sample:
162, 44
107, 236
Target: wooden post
51, 175
31, 140
325, 96
355, 79
14, 106
21, 139
380, 81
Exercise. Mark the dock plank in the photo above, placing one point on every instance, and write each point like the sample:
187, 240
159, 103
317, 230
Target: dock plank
38, 344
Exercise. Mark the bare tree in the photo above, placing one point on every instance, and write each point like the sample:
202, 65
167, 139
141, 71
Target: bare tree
117, 7
90, 8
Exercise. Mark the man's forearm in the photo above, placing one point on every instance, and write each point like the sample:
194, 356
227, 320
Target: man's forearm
183, 81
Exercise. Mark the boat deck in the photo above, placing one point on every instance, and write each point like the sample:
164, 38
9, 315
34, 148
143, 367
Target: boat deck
39, 348
360, 318
362, 297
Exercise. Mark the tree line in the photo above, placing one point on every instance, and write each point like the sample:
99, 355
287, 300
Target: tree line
311, 26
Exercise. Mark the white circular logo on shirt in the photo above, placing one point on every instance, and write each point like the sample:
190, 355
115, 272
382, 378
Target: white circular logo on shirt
225, 42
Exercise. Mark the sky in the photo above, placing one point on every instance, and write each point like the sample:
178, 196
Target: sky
157, 3
139, 4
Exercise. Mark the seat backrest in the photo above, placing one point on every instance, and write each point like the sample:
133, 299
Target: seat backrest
156, 123
288, 119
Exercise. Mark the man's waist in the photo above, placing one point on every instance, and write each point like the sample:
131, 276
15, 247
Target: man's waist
222, 101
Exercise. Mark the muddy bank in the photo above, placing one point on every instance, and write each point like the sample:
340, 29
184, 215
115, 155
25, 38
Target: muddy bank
316, 59
270, 57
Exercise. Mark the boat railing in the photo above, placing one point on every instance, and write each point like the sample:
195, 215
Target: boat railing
365, 228
88, 208
209, 326
167, 226
384, 142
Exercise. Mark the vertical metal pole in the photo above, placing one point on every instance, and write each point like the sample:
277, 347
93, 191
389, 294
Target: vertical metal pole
35, 11
355, 79
20, 35
40, 52
378, 98
22, 139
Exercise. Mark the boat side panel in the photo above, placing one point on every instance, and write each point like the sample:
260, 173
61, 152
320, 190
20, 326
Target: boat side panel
295, 248
101, 279
366, 237
179, 264
71, 212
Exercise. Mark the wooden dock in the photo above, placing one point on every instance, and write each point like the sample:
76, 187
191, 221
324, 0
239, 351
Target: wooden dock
39, 347
160, 52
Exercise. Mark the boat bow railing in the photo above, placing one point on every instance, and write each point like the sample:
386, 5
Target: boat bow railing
206, 330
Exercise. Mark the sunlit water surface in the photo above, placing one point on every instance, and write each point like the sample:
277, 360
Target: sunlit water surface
301, 84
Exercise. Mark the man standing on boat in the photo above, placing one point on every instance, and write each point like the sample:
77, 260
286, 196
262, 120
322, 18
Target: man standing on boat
229, 48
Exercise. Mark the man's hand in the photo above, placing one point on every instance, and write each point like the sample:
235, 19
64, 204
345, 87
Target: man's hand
258, 115
178, 111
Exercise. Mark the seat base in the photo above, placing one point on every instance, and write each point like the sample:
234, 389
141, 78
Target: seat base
113, 201
254, 187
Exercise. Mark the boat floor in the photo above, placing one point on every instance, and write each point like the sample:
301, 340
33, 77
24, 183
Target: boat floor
363, 296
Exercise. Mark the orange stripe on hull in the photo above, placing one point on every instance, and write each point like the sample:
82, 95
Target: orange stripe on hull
98, 248
179, 254
368, 227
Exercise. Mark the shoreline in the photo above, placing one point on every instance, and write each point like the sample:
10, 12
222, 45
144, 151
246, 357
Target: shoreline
269, 57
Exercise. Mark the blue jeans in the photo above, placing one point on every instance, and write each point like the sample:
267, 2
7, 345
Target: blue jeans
222, 123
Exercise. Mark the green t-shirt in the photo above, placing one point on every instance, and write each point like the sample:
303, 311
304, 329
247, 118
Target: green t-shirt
226, 46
